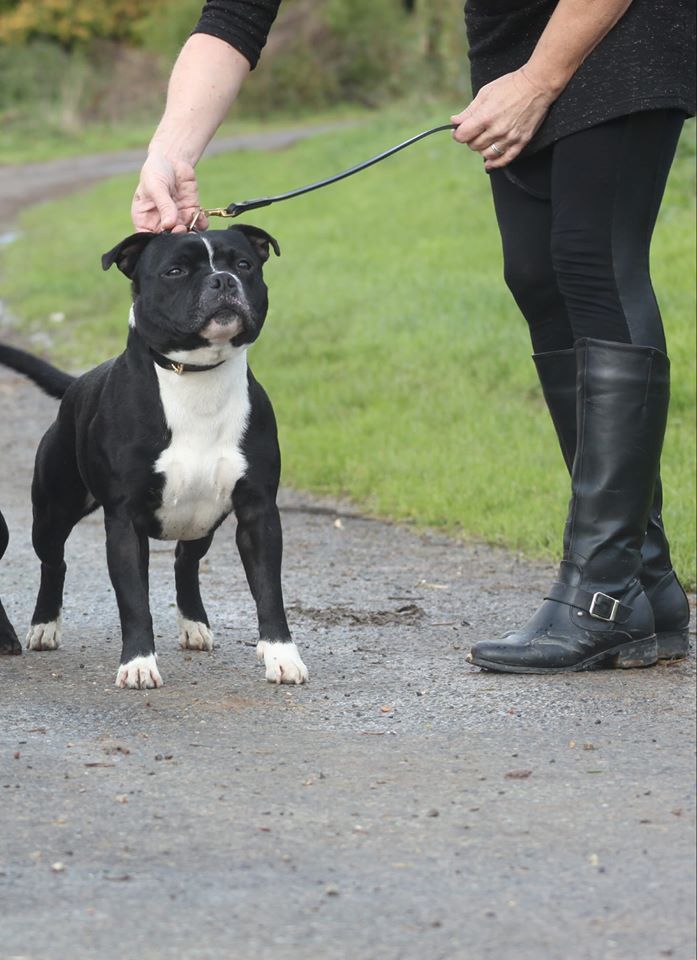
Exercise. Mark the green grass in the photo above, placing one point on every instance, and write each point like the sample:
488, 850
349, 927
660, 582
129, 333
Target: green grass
396, 359
30, 140
30, 143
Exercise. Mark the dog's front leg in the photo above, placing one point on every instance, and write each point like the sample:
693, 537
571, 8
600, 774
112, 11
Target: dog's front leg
260, 542
127, 553
194, 629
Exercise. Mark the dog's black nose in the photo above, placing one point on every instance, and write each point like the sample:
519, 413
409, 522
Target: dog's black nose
222, 281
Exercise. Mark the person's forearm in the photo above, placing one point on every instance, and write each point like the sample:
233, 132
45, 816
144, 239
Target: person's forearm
205, 81
574, 30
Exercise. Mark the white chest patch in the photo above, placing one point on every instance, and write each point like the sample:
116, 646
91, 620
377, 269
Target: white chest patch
207, 414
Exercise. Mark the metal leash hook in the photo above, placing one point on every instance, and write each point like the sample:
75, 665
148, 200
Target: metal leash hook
214, 212
235, 209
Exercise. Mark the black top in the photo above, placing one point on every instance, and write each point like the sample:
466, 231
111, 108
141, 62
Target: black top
244, 24
646, 62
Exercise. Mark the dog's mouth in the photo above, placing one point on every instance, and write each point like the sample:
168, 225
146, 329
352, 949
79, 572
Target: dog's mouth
223, 325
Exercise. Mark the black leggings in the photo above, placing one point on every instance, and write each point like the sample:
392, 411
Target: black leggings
576, 222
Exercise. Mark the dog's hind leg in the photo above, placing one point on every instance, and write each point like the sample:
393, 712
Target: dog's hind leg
8, 638
260, 542
128, 551
53, 521
194, 629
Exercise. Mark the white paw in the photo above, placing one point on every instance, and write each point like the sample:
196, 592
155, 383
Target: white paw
194, 635
282, 662
44, 636
140, 673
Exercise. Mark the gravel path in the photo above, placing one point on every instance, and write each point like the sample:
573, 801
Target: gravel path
401, 806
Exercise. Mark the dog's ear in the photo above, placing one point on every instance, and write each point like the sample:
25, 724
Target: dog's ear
127, 253
259, 239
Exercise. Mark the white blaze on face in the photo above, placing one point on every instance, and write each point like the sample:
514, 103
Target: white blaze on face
211, 255
215, 331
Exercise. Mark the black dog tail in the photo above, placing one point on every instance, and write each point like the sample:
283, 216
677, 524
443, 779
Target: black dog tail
52, 381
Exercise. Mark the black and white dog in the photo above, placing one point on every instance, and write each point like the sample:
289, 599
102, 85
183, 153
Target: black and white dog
168, 438
8, 638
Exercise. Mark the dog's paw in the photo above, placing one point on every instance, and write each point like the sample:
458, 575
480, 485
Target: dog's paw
282, 662
140, 673
194, 635
44, 636
9, 644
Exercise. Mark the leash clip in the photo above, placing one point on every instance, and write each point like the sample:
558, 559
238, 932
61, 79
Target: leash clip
213, 212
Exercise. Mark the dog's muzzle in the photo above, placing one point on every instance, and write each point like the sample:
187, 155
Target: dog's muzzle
224, 307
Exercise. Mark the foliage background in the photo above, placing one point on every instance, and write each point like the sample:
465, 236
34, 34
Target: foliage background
69, 64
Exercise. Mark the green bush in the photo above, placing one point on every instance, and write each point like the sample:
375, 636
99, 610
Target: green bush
365, 52
369, 38
163, 32
28, 73
46, 91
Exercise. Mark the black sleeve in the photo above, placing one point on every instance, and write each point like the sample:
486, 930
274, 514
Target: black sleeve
244, 24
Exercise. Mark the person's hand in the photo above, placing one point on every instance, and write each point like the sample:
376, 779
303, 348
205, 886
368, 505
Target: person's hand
166, 197
503, 118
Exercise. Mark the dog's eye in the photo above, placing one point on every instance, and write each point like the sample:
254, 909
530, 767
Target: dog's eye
175, 272
244, 265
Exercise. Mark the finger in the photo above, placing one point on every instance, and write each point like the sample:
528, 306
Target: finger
491, 138
494, 151
468, 130
144, 218
167, 209
153, 214
511, 153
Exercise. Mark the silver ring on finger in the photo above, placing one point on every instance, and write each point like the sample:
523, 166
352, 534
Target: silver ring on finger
497, 149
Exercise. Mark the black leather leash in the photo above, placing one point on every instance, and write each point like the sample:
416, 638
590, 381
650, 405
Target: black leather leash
235, 209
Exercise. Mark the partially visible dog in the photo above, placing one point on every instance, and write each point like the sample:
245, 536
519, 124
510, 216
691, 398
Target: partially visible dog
8, 637
168, 438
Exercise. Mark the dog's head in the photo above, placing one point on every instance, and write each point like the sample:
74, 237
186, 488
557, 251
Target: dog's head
196, 290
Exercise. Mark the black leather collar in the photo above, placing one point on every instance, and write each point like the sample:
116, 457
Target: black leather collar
167, 364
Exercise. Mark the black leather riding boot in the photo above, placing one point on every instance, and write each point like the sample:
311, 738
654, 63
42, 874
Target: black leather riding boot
671, 610
596, 613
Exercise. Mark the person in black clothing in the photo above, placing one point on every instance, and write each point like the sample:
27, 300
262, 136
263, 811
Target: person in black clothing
577, 114
577, 111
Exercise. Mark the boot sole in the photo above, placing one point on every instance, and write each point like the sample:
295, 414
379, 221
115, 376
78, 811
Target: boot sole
626, 656
673, 645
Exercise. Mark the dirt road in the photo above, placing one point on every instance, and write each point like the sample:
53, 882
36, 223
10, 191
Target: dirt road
401, 806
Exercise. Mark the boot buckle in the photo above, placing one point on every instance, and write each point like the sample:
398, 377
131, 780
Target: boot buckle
603, 607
